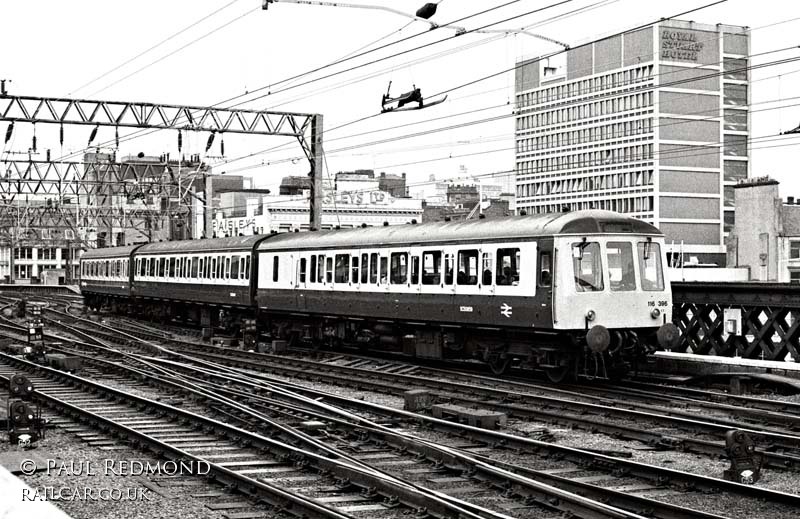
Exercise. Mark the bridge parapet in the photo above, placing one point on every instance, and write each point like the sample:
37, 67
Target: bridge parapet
769, 319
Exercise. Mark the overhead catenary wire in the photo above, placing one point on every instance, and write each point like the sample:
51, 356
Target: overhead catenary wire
151, 48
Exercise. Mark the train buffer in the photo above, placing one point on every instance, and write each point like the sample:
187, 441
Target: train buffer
482, 418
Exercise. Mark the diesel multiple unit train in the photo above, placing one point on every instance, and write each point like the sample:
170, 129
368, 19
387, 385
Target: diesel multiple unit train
580, 292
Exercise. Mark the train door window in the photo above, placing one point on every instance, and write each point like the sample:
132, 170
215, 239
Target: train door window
195, 267
342, 270
247, 267
321, 269
203, 269
354, 267
234, 267
507, 270
621, 272
303, 266
275, 265
545, 269
650, 266
448, 269
486, 268
329, 269
313, 270
241, 267
467, 267
213, 270
384, 269
587, 266
399, 268
107, 269
373, 268
220, 267
415, 270
364, 269
227, 273
431, 267
172, 267
186, 267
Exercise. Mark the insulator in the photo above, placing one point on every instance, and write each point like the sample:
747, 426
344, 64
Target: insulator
9, 131
48, 154
61, 134
180, 141
116, 136
210, 142
34, 144
92, 135
222, 146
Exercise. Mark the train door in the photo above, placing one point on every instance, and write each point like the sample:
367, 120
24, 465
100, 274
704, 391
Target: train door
545, 283
466, 289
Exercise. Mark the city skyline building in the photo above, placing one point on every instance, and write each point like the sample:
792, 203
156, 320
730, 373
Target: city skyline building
653, 123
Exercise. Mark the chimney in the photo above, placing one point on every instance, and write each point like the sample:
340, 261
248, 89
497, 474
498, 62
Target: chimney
790, 200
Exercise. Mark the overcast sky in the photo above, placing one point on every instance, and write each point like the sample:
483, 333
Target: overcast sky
79, 49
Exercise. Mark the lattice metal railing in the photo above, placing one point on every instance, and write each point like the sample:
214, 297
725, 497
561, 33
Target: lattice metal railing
770, 320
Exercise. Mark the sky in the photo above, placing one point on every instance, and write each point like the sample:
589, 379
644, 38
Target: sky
234, 53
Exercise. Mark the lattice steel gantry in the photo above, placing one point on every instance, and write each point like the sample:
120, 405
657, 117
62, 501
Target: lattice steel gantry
54, 177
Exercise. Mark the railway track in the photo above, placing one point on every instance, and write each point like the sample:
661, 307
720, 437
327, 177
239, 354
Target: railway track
583, 465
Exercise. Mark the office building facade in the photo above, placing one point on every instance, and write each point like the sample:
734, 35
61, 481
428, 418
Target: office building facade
653, 123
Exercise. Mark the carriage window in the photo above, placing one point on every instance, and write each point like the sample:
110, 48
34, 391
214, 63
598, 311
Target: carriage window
227, 272
342, 268
354, 266
162, 267
508, 261
621, 275
241, 268
587, 267
448, 269
384, 270
486, 268
431, 267
153, 264
275, 265
467, 267
194, 267
329, 269
545, 269
364, 268
313, 277
234, 267
213, 267
321, 269
399, 268
303, 267
415, 270
172, 267
373, 268
650, 266
247, 267
220, 267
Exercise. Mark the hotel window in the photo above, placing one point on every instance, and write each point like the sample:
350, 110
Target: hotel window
794, 276
735, 95
794, 249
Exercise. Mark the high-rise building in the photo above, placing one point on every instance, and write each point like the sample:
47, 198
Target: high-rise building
653, 123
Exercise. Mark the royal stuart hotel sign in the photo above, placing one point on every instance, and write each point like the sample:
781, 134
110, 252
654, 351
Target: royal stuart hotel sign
680, 45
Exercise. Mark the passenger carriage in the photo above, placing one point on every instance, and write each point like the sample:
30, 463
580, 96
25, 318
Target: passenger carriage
583, 290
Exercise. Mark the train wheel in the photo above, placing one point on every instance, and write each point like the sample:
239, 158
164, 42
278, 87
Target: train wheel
499, 365
560, 374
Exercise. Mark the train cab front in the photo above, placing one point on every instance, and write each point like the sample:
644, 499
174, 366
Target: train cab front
614, 300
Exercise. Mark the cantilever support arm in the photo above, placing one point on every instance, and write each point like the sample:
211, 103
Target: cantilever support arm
432, 25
